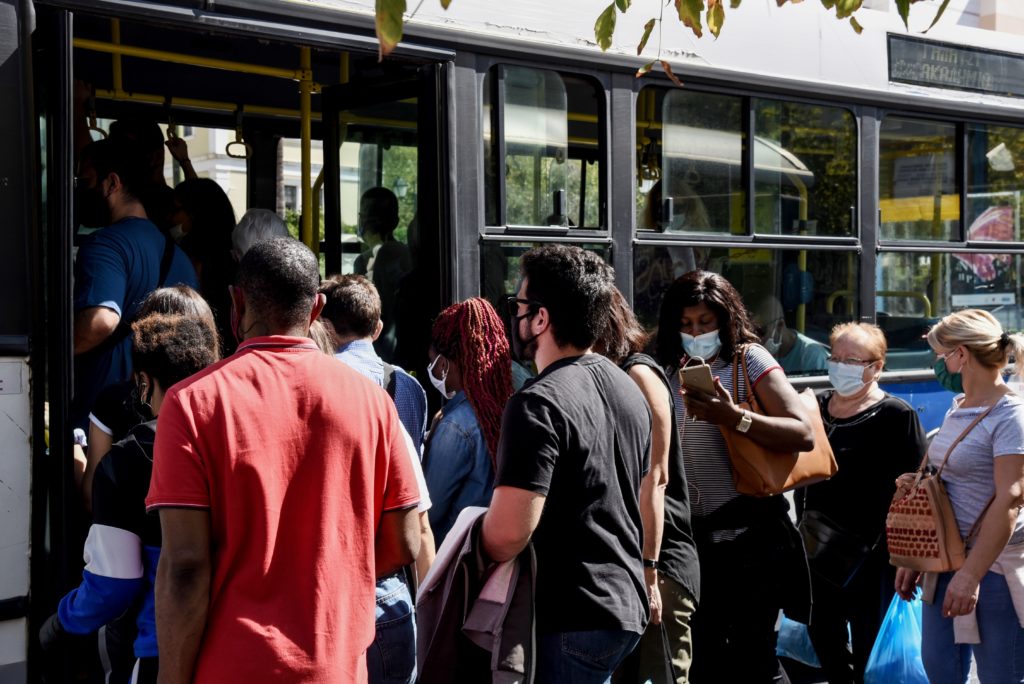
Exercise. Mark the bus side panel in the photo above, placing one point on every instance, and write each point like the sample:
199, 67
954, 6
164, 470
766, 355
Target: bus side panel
929, 399
15, 512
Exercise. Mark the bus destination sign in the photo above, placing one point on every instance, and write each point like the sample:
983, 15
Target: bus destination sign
942, 65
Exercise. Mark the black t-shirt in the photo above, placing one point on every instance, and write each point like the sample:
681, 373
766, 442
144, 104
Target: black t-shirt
678, 556
116, 411
872, 449
580, 434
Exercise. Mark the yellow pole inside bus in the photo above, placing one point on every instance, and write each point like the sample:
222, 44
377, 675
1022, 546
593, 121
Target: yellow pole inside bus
115, 38
305, 110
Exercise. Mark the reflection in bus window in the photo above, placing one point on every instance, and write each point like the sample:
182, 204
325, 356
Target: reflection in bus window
995, 182
805, 169
550, 130
917, 187
702, 163
795, 296
915, 289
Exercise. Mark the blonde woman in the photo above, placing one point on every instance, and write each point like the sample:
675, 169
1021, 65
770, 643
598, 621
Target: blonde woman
985, 481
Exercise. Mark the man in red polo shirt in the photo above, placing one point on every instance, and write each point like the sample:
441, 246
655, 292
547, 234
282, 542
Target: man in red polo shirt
283, 493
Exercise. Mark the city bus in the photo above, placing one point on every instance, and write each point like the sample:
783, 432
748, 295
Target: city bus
831, 176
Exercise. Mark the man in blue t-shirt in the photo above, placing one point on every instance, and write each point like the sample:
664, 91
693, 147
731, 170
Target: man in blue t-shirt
116, 267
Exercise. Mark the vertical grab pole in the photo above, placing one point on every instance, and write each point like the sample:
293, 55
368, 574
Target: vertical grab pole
115, 58
305, 107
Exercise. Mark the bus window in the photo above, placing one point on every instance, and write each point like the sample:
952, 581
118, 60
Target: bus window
702, 147
795, 296
919, 197
499, 269
805, 169
995, 182
915, 289
550, 135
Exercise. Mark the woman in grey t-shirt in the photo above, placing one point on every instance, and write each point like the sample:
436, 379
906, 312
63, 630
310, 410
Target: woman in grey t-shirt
985, 481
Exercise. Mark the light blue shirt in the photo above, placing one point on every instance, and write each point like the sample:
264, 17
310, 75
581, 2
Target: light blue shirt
457, 466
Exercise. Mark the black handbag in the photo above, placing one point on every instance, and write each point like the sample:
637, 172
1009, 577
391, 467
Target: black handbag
833, 554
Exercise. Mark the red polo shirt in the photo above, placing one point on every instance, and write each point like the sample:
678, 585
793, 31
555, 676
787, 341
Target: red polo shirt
296, 456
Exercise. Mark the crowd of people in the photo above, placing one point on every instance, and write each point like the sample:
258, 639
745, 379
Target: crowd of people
270, 497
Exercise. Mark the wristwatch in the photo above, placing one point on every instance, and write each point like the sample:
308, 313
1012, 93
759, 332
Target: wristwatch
745, 422
650, 563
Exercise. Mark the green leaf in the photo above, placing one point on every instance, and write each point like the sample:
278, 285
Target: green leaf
734, 4
828, 4
623, 5
389, 24
648, 27
689, 14
445, 4
846, 8
668, 72
903, 7
938, 15
856, 25
645, 69
605, 27
716, 17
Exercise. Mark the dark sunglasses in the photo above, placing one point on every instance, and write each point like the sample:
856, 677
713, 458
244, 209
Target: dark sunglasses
531, 306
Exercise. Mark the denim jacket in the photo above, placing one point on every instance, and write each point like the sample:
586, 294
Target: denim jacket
457, 466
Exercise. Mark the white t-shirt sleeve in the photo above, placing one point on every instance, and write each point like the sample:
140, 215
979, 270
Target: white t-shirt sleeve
421, 482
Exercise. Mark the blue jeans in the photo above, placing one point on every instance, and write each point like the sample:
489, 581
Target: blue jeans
1000, 655
391, 658
582, 657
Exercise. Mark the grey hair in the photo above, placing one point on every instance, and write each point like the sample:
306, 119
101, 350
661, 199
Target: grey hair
256, 225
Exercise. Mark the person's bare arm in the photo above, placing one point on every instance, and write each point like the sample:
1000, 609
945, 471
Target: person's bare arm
179, 151
182, 591
398, 541
99, 444
92, 326
652, 487
428, 549
785, 425
995, 530
510, 521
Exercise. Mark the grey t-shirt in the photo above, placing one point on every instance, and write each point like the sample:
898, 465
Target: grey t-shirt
969, 475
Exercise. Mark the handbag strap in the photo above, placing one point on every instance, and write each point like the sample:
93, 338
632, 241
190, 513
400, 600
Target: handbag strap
742, 354
959, 439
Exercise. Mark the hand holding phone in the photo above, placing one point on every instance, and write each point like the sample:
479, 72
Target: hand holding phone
697, 377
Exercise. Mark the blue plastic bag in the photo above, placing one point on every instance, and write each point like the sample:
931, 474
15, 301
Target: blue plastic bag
896, 655
794, 643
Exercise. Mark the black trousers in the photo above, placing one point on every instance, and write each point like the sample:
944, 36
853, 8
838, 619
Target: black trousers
733, 629
861, 604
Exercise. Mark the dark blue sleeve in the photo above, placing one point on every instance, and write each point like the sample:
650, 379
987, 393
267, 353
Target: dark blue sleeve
101, 273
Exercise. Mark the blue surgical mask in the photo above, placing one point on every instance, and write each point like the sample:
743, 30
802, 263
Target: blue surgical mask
847, 378
954, 382
704, 346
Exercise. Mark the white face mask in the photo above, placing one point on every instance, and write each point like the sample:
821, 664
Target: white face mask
176, 232
704, 346
439, 385
774, 343
847, 378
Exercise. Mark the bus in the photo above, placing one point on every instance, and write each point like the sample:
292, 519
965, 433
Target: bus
831, 176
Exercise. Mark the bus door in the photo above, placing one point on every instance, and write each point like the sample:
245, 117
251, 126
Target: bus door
385, 143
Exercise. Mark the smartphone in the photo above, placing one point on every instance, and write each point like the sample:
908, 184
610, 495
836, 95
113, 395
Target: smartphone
697, 377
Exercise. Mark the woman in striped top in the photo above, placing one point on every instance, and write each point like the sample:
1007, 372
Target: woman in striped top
751, 559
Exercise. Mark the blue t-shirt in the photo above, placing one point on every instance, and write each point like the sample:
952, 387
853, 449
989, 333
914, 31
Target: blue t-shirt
116, 268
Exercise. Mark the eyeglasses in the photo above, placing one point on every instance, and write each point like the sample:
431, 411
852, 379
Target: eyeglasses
853, 361
531, 306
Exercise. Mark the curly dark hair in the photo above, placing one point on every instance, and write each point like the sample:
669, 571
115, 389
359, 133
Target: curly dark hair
575, 286
171, 347
696, 287
280, 278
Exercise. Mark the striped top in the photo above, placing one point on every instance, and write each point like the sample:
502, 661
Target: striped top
708, 470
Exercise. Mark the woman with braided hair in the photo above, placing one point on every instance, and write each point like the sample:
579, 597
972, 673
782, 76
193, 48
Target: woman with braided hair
470, 366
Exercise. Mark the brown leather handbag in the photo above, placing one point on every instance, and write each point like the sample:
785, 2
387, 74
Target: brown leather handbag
760, 471
921, 530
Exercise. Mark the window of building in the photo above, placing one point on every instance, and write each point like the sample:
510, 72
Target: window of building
291, 198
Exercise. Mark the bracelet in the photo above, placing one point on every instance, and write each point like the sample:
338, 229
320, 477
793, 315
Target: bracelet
650, 563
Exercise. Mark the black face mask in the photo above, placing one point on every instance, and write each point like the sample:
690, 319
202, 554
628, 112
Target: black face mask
91, 207
522, 350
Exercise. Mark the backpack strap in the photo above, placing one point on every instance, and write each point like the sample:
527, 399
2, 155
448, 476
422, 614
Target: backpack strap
390, 380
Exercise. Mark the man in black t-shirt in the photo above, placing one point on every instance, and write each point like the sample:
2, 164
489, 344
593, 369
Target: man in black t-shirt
575, 444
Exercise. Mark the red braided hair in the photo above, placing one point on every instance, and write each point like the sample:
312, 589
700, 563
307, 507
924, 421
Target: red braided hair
471, 334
